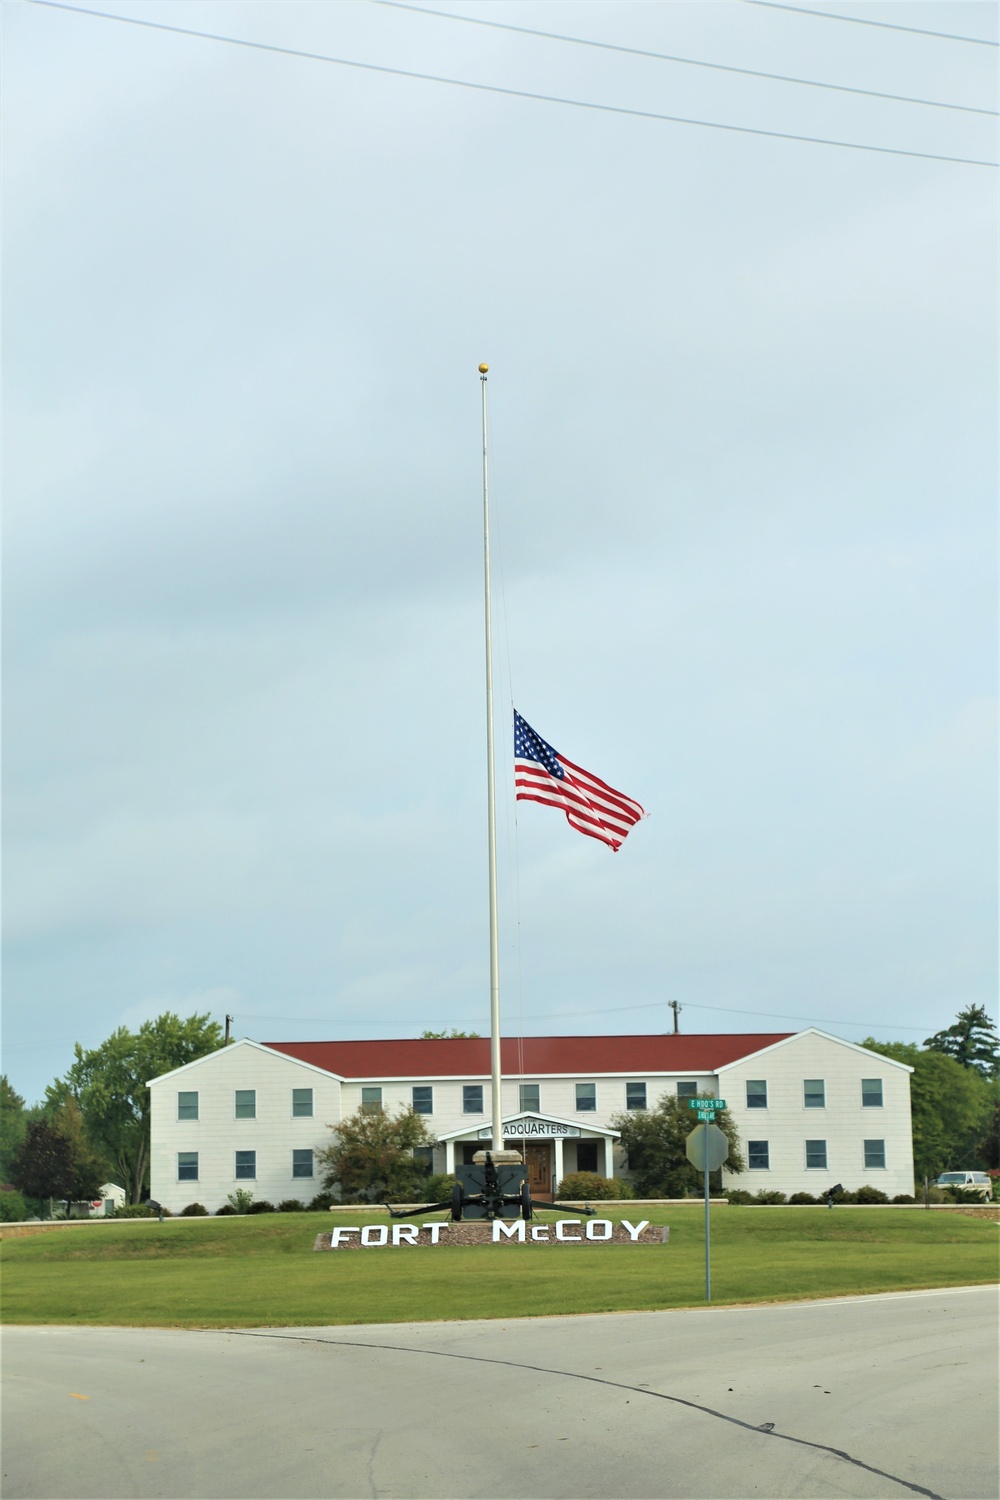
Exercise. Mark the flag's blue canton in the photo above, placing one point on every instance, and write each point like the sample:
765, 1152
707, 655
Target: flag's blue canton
531, 746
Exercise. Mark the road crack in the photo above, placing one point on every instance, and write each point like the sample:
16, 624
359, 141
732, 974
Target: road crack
619, 1385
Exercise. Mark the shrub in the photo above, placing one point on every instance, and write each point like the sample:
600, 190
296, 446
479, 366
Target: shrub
904, 1198
137, 1211
964, 1195
868, 1194
291, 1206
438, 1187
224, 1211
739, 1195
261, 1207
241, 1200
804, 1198
194, 1211
372, 1155
767, 1195
12, 1207
321, 1201
585, 1185
623, 1189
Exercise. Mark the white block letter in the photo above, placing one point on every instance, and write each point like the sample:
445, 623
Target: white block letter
604, 1225
375, 1234
635, 1230
561, 1227
405, 1234
512, 1231
539, 1231
435, 1228
337, 1235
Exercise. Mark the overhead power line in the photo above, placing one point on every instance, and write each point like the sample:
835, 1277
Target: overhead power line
691, 62
828, 15
608, 1010
492, 88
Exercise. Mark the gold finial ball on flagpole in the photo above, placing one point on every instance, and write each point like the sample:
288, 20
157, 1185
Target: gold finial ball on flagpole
483, 369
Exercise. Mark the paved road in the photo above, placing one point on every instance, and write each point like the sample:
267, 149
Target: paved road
875, 1396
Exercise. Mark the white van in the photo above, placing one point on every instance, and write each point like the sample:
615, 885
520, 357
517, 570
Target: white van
970, 1182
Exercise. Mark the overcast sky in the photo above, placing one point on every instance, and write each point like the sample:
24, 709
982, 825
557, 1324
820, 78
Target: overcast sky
743, 441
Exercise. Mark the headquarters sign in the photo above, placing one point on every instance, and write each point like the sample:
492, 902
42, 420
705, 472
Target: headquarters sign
526, 1127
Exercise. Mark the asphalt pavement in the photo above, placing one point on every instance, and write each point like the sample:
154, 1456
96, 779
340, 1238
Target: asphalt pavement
870, 1397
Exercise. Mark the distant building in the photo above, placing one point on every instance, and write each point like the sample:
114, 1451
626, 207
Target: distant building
811, 1110
112, 1198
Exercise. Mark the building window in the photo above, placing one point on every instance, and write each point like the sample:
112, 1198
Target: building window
816, 1154
586, 1098
187, 1106
687, 1089
469, 1149
874, 1153
871, 1093
187, 1166
586, 1156
758, 1156
302, 1104
635, 1096
246, 1104
246, 1165
528, 1095
756, 1093
814, 1092
425, 1156
371, 1099
302, 1163
472, 1099
423, 1099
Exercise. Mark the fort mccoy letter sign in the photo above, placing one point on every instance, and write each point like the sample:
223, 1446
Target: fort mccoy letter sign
493, 1232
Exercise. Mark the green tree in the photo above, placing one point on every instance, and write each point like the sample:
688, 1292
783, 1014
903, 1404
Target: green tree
90, 1166
109, 1083
43, 1166
654, 1144
437, 1035
371, 1155
971, 1041
989, 1146
13, 1126
949, 1104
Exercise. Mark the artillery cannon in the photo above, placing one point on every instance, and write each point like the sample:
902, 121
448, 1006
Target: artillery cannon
491, 1199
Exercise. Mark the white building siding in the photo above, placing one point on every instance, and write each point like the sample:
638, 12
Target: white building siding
556, 1096
273, 1134
843, 1121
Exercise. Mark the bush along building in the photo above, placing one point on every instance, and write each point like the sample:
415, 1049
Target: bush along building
811, 1110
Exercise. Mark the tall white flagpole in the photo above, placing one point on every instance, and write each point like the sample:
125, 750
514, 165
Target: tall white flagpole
497, 1106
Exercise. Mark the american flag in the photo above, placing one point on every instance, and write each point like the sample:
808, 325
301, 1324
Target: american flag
592, 807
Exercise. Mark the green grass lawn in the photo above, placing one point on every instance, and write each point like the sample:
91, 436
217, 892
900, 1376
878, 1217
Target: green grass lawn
262, 1270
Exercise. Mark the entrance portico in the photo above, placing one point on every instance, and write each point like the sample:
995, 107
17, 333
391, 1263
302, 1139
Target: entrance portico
552, 1147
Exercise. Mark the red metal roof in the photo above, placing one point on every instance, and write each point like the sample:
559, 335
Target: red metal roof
469, 1057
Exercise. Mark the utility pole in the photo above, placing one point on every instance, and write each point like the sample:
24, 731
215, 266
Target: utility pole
676, 1007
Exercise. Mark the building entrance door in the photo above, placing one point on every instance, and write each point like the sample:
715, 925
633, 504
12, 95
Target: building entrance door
538, 1160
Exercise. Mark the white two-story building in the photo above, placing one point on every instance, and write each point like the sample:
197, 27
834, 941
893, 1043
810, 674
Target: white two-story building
811, 1110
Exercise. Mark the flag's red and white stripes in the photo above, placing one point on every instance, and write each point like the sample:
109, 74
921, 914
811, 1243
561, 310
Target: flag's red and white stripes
591, 806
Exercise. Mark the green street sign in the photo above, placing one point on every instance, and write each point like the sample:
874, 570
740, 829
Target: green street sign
706, 1104
706, 1114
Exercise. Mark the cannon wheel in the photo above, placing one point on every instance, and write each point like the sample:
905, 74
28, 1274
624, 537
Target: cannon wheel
525, 1199
456, 1203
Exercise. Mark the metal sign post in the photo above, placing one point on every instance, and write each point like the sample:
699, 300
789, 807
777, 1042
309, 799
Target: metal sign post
707, 1147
